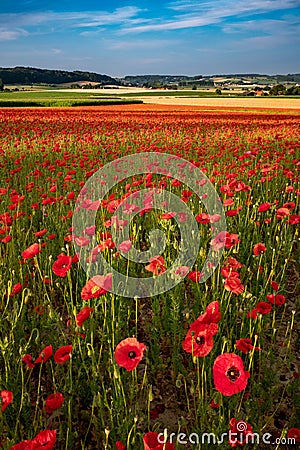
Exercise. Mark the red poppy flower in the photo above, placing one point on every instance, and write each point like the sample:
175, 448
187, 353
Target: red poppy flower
228, 202
229, 374
212, 315
224, 239
294, 433
233, 212
120, 446
81, 241
231, 240
96, 286
277, 299
45, 440
282, 212
289, 205
232, 263
167, 216
214, 218
28, 360
7, 239
199, 339
53, 402
240, 433
41, 233
214, 405
125, 246
6, 399
263, 307
252, 314
228, 272
203, 218
129, 353
156, 265
152, 442
264, 207
63, 354
31, 251
45, 354
186, 193
61, 266
259, 249
16, 289
294, 219
83, 315
274, 285
195, 276
245, 345
182, 271
234, 285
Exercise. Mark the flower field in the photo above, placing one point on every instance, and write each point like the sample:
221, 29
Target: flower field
82, 367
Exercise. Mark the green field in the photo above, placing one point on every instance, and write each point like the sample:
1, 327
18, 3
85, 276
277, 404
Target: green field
56, 98
59, 98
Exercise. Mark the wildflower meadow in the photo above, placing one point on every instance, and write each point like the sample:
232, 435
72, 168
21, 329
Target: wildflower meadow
205, 352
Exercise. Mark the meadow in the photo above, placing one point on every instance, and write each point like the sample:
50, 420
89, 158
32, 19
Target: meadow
59, 98
84, 368
27, 96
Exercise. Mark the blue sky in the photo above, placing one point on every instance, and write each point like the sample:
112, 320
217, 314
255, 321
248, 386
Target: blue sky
130, 37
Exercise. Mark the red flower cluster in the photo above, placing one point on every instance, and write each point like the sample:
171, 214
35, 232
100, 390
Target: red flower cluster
156, 266
232, 277
60, 356
199, 339
224, 239
261, 308
96, 286
277, 299
45, 440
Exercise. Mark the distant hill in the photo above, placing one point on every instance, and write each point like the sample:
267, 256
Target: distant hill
209, 80
31, 75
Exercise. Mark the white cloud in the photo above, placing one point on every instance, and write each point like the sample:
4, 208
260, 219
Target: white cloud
56, 51
11, 34
265, 25
258, 5
71, 19
141, 44
199, 14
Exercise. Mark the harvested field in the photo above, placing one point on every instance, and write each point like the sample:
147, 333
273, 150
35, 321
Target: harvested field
245, 102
